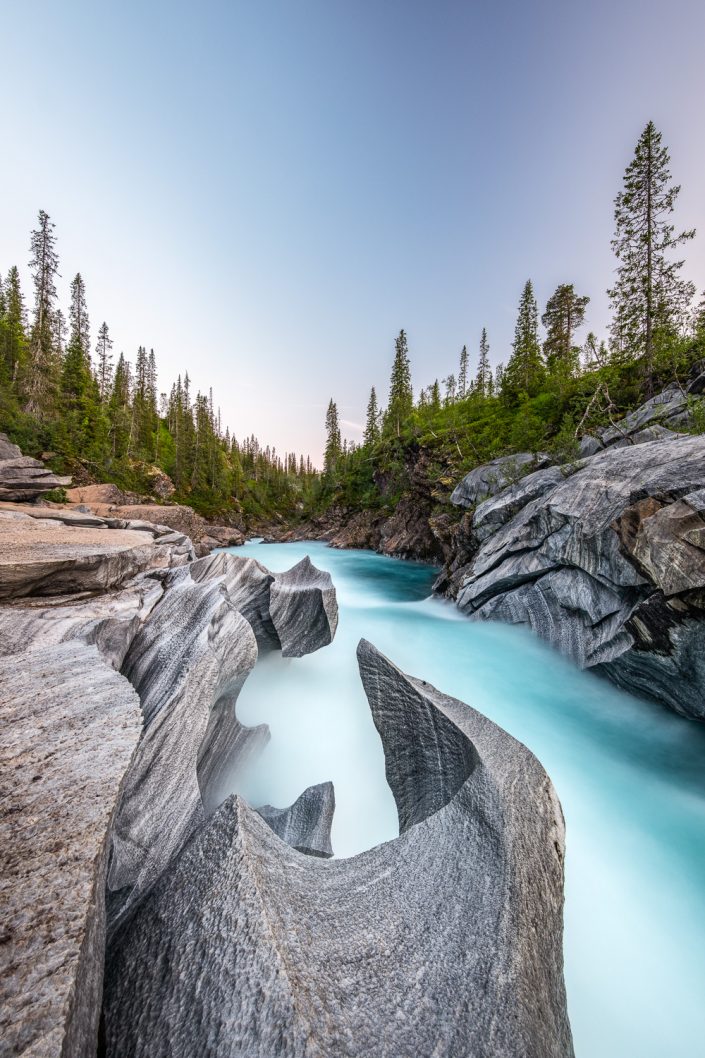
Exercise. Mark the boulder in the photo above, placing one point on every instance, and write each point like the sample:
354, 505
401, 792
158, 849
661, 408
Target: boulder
608, 566
444, 941
69, 725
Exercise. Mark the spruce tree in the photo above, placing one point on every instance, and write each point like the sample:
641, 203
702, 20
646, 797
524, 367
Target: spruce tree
43, 366
463, 374
565, 313
372, 420
484, 371
79, 336
105, 361
333, 448
524, 372
650, 299
401, 397
14, 332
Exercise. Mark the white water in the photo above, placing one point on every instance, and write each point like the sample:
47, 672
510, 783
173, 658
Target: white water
630, 775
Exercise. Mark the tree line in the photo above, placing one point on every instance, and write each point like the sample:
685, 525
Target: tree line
105, 418
551, 389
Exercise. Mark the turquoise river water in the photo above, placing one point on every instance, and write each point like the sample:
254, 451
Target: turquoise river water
630, 776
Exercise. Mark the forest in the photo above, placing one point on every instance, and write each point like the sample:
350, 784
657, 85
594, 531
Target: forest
104, 418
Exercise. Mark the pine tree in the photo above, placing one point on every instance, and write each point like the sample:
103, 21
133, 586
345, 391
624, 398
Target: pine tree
463, 374
565, 313
524, 372
401, 397
649, 298
435, 396
333, 448
484, 371
594, 353
43, 366
105, 361
372, 420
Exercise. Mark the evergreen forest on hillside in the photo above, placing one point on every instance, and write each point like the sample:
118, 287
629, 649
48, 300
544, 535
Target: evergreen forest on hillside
103, 418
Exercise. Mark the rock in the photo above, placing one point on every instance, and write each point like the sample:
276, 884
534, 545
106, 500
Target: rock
303, 609
498, 509
24, 478
109, 620
306, 824
608, 566
188, 663
221, 536
160, 484
69, 727
491, 478
52, 552
97, 494
445, 941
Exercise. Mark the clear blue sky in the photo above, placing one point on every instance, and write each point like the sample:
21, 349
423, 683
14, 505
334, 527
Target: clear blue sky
265, 192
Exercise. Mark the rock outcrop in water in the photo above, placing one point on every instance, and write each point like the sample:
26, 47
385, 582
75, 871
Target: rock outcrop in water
445, 941
306, 824
605, 559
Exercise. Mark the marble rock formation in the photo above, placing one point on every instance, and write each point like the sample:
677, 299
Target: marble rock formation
493, 477
24, 478
607, 564
444, 941
306, 824
303, 609
188, 663
68, 727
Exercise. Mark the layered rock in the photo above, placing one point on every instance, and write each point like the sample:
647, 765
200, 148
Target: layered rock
490, 478
69, 726
445, 941
23, 478
605, 559
45, 551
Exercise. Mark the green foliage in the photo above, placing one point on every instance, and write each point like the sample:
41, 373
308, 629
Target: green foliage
106, 422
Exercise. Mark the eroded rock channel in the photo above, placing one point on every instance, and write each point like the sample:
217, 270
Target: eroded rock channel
225, 930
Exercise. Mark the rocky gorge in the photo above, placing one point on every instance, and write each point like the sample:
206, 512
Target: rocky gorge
135, 885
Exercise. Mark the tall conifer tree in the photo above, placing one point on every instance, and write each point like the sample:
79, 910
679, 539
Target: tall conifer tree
650, 299
484, 371
401, 397
524, 372
565, 312
372, 419
43, 366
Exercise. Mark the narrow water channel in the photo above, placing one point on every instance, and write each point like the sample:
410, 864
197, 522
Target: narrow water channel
630, 775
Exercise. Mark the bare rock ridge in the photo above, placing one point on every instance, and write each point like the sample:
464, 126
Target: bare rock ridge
445, 941
24, 478
604, 558
77, 740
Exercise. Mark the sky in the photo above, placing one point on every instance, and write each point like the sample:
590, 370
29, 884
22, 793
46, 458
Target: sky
265, 192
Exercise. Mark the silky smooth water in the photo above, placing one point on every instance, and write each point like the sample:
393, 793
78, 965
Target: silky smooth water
630, 776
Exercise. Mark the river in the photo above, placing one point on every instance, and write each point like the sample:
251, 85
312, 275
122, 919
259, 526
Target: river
630, 776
